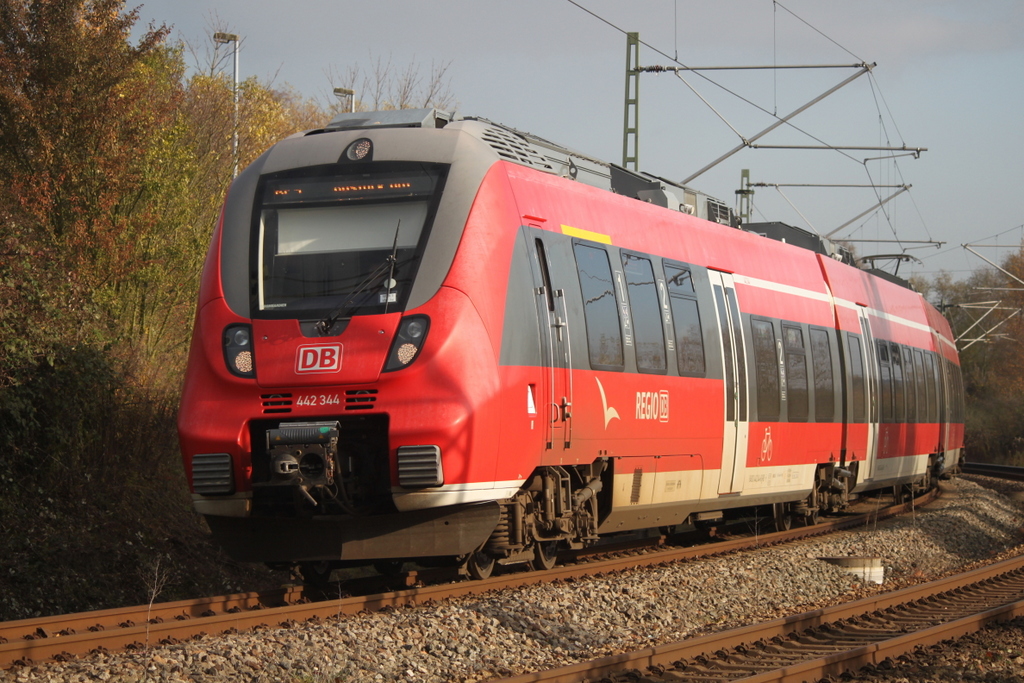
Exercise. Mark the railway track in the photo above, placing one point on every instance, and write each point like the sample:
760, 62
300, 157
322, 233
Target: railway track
825, 642
1008, 472
35, 640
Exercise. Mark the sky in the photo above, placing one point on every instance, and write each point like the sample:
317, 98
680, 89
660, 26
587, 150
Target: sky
949, 77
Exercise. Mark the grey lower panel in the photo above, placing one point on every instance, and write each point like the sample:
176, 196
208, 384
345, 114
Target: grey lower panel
425, 533
667, 514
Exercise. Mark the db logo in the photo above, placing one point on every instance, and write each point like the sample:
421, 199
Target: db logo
310, 358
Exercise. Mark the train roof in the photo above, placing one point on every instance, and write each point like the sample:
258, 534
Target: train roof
533, 151
527, 149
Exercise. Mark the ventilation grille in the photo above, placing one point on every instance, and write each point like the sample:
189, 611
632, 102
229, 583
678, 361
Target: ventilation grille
634, 494
360, 399
515, 149
419, 466
211, 474
718, 212
276, 403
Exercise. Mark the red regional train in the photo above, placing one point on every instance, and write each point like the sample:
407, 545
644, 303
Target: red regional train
424, 337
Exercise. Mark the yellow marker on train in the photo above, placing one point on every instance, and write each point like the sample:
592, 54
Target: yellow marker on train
586, 234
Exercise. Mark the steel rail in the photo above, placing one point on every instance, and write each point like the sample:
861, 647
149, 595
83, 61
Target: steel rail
835, 663
122, 617
34, 640
1008, 472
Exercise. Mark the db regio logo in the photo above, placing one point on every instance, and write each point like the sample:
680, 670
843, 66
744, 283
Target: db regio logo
652, 405
313, 359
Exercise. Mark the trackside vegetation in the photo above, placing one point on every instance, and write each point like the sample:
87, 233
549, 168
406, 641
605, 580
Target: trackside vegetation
115, 154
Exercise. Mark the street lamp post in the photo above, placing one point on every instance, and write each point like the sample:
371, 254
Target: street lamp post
349, 93
224, 38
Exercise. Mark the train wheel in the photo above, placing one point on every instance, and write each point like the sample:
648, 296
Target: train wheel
783, 517
389, 568
899, 494
812, 517
926, 482
545, 555
316, 574
480, 565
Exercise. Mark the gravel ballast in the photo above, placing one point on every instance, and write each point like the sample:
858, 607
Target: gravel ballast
539, 627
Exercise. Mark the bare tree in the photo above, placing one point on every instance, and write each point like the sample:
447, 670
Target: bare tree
384, 86
207, 56
155, 580
438, 87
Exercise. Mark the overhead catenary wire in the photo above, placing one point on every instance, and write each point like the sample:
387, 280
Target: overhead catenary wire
881, 106
708, 79
977, 243
776, 3
698, 72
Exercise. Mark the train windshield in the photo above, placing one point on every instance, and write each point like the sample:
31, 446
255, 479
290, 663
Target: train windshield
326, 242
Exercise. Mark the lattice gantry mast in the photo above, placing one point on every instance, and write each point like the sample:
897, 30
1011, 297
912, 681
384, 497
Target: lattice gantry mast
631, 116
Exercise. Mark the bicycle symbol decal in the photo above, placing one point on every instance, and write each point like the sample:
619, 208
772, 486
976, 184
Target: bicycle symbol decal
766, 446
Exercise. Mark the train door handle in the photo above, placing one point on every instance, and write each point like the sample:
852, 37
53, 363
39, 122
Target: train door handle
566, 409
558, 325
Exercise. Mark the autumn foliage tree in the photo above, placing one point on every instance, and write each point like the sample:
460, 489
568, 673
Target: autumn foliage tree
113, 165
115, 157
80, 105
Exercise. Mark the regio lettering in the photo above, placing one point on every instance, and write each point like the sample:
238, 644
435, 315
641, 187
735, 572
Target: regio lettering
652, 405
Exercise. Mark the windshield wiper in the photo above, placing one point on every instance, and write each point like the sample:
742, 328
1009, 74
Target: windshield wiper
386, 266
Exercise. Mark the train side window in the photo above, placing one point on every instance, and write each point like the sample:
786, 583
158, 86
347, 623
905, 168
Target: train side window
766, 370
680, 280
542, 261
646, 312
960, 416
940, 379
929, 376
796, 374
923, 402
958, 387
686, 321
604, 332
824, 385
911, 377
898, 396
956, 392
885, 380
951, 402
857, 383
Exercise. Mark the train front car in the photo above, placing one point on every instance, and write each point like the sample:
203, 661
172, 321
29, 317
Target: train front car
425, 338
339, 382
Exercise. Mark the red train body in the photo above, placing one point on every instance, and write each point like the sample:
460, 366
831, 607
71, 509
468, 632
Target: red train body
423, 338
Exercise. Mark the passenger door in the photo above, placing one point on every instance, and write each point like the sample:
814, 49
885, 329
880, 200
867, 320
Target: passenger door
737, 425
554, 401
871, 374
946, 397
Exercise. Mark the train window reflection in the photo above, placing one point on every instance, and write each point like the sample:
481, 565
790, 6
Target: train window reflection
646, 313
796, 374
824, 386
685, 322
766, 370
604, 335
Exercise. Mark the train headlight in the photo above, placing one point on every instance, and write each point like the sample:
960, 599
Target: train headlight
412, 332
415, 328
238, 350
240, 336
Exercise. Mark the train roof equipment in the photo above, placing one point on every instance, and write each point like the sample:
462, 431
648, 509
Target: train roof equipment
527, 149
